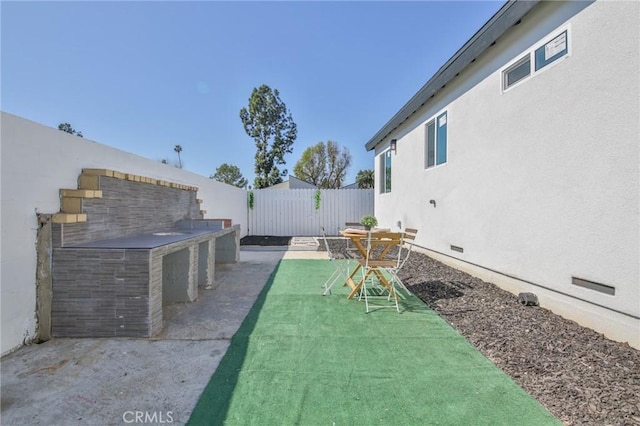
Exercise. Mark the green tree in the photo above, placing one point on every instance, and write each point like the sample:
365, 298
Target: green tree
365, 179
323, 165
178, 149
66, 127
229, 174
271, 126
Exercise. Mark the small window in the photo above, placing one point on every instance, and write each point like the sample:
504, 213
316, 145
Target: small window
516, 72
441, 140
541, 55
436, 141
551, 51
431, 144
385, 172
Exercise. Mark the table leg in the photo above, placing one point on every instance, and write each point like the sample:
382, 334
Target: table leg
349, 280
356, 287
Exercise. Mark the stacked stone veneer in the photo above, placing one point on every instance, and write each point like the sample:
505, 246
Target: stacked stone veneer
113, 292
103, 293
127, 207
120, 293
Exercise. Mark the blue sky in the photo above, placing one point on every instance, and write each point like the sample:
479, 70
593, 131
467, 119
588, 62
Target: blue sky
145, 76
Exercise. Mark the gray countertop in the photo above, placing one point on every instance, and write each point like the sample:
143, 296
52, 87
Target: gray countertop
148, 240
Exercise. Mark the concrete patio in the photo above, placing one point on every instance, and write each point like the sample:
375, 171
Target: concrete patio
118, 381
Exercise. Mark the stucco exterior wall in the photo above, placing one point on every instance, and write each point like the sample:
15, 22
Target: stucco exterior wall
542, 180
37, 161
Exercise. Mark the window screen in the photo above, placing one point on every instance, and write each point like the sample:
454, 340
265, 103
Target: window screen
431, 144
517, 72
441, 139
436, 141
385, 172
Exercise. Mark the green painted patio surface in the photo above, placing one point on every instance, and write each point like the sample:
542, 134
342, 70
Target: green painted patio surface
301, 358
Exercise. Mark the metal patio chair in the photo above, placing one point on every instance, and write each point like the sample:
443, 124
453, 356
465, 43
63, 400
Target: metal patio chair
383, 258
341, 268
404, 251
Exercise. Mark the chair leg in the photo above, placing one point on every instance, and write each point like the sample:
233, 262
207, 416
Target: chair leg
366, 298
363, 288
395, 295
368, 277
329, 283
392, 292
335, 276
399, 281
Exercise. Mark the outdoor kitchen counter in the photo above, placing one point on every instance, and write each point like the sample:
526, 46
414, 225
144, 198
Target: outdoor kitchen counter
150, 240
117, 287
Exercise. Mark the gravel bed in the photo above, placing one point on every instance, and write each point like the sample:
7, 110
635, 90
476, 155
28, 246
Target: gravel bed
579, 375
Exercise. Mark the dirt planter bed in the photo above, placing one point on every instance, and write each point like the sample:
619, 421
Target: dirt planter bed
265, 240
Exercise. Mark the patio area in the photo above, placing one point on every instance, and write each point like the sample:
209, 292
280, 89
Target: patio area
108, 381
297, 358
300, 358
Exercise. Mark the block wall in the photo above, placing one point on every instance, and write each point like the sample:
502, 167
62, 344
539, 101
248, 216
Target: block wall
128, 208
100, 293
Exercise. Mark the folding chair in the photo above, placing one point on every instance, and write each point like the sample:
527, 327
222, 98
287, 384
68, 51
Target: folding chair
404, 251
380, 258
341, 269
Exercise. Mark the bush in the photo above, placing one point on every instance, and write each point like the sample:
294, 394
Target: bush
368, 221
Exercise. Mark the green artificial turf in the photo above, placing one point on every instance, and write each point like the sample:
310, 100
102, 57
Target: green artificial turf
301, 358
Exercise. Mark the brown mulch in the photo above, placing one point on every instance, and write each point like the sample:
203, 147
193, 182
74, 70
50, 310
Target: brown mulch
264, 240
579, 375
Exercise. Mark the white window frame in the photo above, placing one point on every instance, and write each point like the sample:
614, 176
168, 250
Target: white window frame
531, 54
434, 119
516, 65
383, 171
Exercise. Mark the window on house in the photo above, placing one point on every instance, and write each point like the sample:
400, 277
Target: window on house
385, 172
436, 139
516, 72
551, 51
541, 55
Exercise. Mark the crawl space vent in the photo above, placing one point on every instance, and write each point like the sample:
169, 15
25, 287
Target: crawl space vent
592, 285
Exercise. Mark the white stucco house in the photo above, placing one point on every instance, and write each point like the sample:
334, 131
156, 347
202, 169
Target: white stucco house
519, 160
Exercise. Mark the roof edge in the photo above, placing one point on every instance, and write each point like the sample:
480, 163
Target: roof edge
507, 16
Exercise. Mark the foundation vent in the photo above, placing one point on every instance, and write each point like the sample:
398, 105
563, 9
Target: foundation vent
591, 285
458, 249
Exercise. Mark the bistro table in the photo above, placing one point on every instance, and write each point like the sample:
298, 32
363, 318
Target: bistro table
379, 237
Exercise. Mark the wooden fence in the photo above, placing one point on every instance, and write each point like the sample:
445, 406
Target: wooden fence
301, 212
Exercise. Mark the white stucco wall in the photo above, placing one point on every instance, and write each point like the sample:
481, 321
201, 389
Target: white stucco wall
37, 161
542, 181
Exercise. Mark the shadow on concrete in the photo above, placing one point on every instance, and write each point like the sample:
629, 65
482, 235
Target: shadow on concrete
105, 381
213, 405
